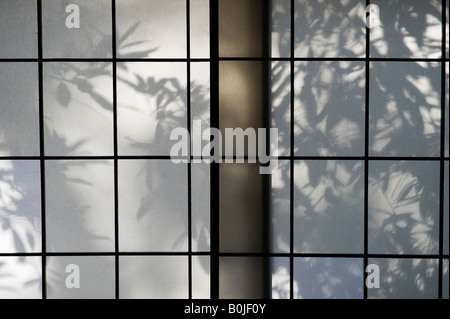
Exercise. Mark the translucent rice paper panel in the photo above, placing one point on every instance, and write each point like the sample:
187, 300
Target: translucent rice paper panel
91, 40
78, 107
81, 277
280, 280
405, 109
18, 25
280, 208
151, 28
329, 108
21, 277
153, 277
329, 206
199, 29
329, 278
201, 277
447, 29
80, 206
447, 110
446, 207
280, 105
19, 109
280, 28
445, 279
409, 29
20, 207
406, 279
404, 207
201, 203
153, 206
330, 28
151, 99
200, 105
241, 278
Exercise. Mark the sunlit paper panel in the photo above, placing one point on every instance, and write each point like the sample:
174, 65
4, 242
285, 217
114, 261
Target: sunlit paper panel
153, 206
19, 109
153, 277
18, 25
93, 38
78, 109
80, 206
406, 279
405, 109
329, 108
329, 206
151, 99
330, 28
199, 28
93, 277
21, 277
408, 29
329, 278
20, 206
151, 28
403, 207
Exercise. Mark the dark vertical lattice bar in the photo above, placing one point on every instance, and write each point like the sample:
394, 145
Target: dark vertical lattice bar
291, 155
214, 74
42, 150
366, 157
189, 166
116, 168
442, 154
266, 179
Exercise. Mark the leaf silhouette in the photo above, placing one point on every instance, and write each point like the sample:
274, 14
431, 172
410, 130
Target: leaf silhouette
63, 95
128, 33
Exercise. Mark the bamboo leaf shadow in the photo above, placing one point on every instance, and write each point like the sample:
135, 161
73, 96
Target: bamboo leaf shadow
63, 95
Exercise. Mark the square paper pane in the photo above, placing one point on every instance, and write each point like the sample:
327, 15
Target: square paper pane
280, 280
18, 29
78, 106
329, 278
19, 109
329, 108
406, 279
80, 277
151, 28
62, 38
21, 277
409, 29
80, 206
151, 99
404, 207
280, 105
280, 28
405, 109
280, 208
329, 206
153, 206
20, 206
330, 28
153, 277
